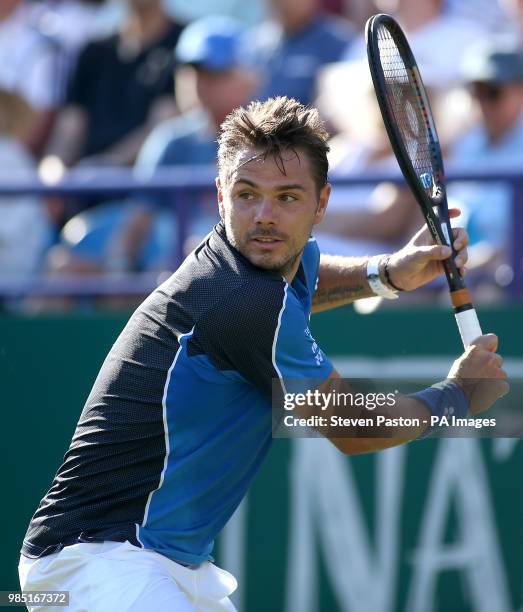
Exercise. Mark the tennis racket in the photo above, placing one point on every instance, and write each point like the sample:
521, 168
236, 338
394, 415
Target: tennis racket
407, 115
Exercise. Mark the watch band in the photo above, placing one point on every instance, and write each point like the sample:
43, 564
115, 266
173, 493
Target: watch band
373, 278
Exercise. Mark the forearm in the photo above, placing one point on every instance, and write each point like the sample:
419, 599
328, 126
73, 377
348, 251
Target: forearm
125, 151
384, 218
342, 280
413, 418
68, 136
355, 428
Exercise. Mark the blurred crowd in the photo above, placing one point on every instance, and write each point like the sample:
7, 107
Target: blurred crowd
145, 84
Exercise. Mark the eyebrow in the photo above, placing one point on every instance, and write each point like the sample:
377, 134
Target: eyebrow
290, 187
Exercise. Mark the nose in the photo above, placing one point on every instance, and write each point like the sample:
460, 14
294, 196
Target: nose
266, 211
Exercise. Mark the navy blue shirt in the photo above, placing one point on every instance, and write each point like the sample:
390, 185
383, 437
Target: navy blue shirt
289, 63
179, 418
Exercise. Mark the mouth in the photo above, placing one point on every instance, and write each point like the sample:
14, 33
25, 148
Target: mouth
266, 242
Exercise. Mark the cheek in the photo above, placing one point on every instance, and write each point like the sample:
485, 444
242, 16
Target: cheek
236, 219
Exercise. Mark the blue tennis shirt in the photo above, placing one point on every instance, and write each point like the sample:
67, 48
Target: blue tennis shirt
179, 418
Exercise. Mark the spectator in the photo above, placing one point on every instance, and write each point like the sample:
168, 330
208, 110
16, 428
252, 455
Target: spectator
290, 49
24, 230
32, 65
488, 13
121, 87
211, 47
360, 219
438, 39
494, 72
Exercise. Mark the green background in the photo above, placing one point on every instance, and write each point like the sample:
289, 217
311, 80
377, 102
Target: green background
48, 364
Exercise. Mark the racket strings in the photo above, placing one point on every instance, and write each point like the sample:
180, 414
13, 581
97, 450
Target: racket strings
406, 103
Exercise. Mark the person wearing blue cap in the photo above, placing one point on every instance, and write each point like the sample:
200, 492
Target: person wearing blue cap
212, 48
140, 236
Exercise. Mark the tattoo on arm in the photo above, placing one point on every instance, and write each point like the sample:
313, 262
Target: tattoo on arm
342, 280
340, 294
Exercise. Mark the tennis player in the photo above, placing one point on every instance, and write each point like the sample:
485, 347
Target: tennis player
179, 418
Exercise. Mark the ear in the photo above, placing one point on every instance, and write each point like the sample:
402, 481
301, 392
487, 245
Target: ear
219, 195
322, 203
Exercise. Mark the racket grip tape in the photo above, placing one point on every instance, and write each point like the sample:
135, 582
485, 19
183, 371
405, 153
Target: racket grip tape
468, 326
460, 298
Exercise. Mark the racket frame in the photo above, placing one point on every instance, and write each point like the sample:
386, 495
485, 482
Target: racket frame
430, 197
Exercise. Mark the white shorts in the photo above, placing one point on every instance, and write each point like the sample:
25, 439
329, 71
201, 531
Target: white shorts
110, 576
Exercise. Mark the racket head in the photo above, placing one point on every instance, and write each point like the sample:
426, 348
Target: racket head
408, 119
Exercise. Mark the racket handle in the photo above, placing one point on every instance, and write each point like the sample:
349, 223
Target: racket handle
468, 325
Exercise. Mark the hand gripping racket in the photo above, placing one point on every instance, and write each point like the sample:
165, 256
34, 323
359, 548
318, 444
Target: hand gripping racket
408, 118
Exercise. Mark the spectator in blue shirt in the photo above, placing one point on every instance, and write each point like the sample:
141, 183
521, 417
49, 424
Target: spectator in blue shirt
291, 48
494, 72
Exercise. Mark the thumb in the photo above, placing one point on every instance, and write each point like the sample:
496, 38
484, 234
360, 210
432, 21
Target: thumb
489, 342
437, 252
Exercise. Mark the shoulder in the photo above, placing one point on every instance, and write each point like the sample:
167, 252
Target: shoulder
168, 137
469, 144
240, 294
101, 45
252, 307
327, 37
175, 29
311, 264
259, 41
336, 28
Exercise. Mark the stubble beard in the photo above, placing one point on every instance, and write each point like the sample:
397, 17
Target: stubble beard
279, 267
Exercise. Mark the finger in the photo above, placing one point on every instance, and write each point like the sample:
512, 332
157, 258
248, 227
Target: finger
422, 235
495, 359
436, 252
462, 258
461, 238
501, 374
454, 212
489, 342
504, 389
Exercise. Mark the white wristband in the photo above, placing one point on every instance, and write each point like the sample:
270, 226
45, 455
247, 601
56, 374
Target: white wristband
373, 278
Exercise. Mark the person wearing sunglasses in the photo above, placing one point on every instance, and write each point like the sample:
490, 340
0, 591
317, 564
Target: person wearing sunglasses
493, 73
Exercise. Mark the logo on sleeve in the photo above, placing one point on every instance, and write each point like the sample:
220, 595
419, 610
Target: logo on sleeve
319, 357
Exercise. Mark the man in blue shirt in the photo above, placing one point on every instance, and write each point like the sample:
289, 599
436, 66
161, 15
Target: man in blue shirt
494, 73
179, 418
291, 48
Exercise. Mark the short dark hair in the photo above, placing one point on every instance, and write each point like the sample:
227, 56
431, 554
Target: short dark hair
275, 126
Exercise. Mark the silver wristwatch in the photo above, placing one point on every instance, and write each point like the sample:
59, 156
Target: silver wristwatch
373, 278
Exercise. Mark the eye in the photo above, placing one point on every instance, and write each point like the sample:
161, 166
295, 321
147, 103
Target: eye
287, 198
246, 195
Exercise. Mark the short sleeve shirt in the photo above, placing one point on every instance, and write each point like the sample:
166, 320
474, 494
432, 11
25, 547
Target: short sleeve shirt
180, 419
116, 90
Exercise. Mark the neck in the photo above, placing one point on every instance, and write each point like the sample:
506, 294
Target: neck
290, 272
7, 10
291, 26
